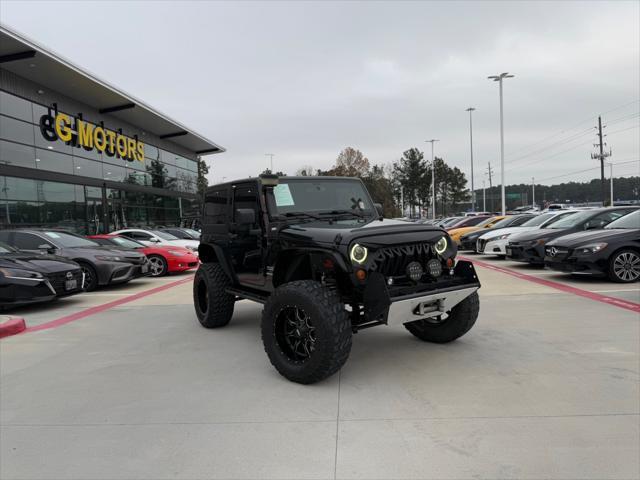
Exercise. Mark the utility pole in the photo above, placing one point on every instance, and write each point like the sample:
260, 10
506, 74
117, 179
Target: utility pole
533, 192
402, 199
433, 177
601, 156
271, 155
473, 190
499, 78
490, 173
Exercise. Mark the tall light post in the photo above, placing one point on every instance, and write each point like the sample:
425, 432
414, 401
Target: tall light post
433, 177
473, 190
499, 78
271, 155
484, 198
611, 186
533, 192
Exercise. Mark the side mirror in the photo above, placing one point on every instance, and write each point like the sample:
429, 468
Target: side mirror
47, 248
379, 209
154, 240
245, 216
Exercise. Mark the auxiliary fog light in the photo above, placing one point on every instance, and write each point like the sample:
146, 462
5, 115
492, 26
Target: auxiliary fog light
414, 271
390, 281
434, 267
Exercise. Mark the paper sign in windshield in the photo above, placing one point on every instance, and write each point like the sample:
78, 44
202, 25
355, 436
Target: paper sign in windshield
283, 195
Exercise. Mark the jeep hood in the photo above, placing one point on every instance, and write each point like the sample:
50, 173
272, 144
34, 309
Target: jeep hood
374, 233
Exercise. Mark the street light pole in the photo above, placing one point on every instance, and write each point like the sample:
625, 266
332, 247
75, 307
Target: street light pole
433, 177
271, 155
611, 187
473, 190
499, 78
533, 188
484, 198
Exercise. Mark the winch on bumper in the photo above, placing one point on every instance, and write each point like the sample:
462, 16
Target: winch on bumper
396, 306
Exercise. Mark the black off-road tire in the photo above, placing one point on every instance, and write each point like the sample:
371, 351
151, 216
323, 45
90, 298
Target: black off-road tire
460, 320
616, 272
328, 317
214, 306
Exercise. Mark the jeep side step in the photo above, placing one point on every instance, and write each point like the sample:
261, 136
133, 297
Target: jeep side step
245, 295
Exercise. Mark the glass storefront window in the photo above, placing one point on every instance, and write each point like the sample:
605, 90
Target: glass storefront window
15, 106
54, 161
18, 188
168, 158
16, 130
87, 168
114, 173
16, 154
151, 152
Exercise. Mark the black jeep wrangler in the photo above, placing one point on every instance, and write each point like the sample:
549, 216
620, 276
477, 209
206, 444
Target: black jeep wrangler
316, 252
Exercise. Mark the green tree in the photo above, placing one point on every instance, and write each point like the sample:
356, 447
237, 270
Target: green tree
202, 182
409, 173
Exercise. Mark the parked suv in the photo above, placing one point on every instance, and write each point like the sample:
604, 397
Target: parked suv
319, 256
100, 265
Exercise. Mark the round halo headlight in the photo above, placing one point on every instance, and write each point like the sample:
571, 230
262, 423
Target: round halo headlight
358, 253
441, 246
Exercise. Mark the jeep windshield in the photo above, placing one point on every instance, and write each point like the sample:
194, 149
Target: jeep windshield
316, 198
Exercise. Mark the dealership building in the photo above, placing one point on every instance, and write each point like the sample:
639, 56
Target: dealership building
77, 153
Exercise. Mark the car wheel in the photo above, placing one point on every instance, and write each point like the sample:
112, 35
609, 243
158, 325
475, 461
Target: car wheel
157, 265
624, 266
214, 306
458, 322
306, 331
90, 277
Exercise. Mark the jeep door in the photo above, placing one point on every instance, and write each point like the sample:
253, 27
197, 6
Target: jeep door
246, 246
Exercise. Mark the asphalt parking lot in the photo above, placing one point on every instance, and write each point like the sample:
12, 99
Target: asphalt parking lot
123, 383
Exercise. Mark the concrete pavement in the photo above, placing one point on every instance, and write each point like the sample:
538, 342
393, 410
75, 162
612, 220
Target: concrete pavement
546, 385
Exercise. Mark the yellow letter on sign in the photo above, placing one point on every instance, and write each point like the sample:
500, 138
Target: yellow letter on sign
85, 134
63, 127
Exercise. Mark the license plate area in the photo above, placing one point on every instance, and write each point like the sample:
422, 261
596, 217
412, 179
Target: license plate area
70, 284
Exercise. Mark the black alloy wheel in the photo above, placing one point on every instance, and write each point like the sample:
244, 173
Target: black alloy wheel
295, 333
625, 266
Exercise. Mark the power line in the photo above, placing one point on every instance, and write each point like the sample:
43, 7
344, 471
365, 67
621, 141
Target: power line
589, 119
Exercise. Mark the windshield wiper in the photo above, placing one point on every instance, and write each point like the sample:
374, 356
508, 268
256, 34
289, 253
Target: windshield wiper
301, 214
343, 212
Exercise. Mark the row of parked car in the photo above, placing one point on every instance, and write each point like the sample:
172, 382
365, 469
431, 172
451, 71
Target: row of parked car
40, 265
601, 241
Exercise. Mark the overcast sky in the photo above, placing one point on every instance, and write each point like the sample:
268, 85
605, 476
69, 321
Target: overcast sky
303, 80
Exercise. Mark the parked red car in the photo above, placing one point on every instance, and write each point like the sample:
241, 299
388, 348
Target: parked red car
162, 259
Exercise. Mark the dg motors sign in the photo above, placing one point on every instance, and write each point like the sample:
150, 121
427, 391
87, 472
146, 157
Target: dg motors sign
79, 133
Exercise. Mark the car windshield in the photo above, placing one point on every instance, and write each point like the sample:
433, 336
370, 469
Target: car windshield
571, 220
126, 243
630, 221
68, 240
164, 235
4, 249
505, 222
321, 195
193, 233
539, 220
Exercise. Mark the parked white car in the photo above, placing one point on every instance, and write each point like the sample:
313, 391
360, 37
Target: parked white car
494, 243
156, 237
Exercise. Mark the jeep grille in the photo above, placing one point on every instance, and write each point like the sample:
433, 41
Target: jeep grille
393, 261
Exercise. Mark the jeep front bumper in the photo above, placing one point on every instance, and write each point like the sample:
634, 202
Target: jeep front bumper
393, 307
403, 310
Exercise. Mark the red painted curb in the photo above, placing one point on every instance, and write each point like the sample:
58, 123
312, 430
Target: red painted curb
12, 326
613, 301
105, 306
